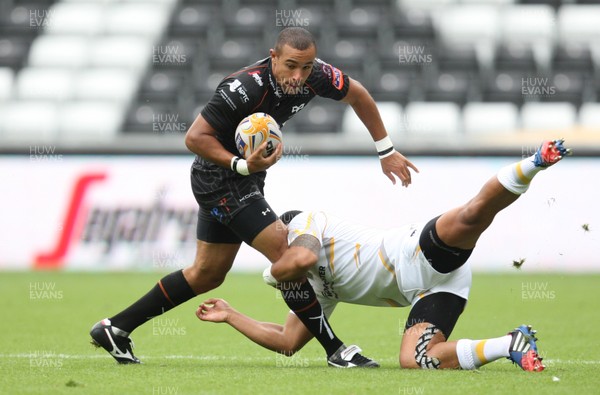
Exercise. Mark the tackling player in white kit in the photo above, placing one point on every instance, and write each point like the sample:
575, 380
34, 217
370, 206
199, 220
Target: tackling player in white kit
418, 265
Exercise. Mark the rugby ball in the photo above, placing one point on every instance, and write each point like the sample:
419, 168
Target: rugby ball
255, 129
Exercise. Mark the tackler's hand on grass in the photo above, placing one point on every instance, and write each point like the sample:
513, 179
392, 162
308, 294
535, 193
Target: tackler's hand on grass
214, 310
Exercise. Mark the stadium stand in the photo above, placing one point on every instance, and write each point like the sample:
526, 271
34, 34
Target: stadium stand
436, 67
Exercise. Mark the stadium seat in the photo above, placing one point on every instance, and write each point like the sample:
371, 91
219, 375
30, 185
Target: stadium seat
548, 116
6, 83
89, 122
105, 84
505, 86
489, 2
572, 57
320, 116
133, 53
26, 20
193, 20
235, 52
33, 83
472, 24
176, 53
589, 116
316, 15
391, 115
412, 22
449, 86
423, 118
359, 21
29, 122
570, 87
13, 51
484, 118
518, 56
60, 51
394, 85
162, 84
159, 118
469, 25
532, 26
578, 24
423, 5
249, 20
456, 57
137, 19
76, 18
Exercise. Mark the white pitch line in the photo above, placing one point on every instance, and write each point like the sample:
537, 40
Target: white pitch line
50, 355
45, 354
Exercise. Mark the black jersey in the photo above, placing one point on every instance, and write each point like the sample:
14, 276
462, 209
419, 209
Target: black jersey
254, 89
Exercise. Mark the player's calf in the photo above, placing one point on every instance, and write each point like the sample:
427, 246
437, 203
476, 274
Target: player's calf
417, 342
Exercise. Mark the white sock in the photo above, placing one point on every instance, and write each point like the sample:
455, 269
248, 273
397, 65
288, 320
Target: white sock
475, 353
516, 177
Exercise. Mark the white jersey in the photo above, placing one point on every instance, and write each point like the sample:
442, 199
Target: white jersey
372, 267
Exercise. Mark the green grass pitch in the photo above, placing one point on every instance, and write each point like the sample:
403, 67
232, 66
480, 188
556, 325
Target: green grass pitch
44, 347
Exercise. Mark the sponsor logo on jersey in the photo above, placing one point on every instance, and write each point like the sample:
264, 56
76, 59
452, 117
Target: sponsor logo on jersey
236, 86
227, 99
295, 109
326, 69
256, 76
328, 290
337, 78
253, 193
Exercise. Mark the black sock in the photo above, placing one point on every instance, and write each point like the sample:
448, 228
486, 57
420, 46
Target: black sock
302, 300
170, 291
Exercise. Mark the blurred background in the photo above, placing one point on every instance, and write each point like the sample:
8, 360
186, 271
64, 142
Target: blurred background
96, 97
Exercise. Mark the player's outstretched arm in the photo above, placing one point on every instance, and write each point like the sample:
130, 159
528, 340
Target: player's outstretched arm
285, 339
392, 162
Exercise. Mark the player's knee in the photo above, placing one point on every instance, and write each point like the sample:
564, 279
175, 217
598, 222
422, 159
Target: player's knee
473, 215
205, 279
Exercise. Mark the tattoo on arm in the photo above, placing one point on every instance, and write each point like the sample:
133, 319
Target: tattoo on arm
307, 241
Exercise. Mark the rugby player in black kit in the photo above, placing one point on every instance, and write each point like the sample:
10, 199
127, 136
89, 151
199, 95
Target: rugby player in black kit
229, 189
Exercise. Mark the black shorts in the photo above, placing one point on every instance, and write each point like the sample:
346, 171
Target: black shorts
441, 309
441, 257
232, 207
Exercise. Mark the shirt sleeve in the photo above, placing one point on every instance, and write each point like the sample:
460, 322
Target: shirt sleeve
228, 106
328, 81
307, 223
